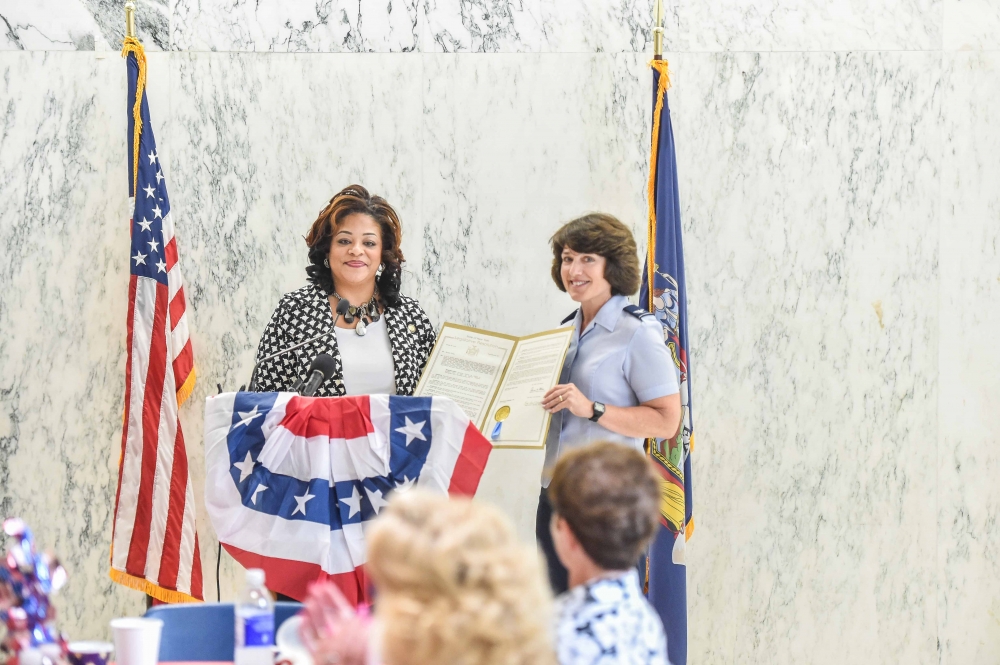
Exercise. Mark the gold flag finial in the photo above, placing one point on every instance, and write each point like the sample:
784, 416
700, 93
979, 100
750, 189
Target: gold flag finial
130, 19
658, 30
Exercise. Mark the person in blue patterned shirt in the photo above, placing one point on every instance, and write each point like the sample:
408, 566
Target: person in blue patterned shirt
605, 500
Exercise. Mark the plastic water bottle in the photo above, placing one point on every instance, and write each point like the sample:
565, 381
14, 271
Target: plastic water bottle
254, 622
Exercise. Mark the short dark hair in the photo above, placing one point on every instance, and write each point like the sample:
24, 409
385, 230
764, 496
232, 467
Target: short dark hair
356, 199
602, 234
609, 495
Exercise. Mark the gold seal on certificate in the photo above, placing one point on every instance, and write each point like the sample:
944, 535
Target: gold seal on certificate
498, 380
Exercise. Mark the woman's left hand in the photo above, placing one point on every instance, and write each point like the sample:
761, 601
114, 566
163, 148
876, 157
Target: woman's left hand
568, 396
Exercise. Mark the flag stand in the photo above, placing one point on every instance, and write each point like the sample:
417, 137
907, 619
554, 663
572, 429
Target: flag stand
130, 19
658, 31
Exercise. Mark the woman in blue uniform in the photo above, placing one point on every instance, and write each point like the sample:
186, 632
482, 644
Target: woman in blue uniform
619, 381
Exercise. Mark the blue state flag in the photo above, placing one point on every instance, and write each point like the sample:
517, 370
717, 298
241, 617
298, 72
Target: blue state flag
663, 293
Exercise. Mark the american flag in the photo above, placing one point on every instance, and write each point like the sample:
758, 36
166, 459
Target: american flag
293, 481
154, 543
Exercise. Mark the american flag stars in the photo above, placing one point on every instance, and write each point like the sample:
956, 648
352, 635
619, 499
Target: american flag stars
151, 256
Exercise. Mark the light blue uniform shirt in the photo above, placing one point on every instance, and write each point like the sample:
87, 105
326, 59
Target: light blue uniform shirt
619, 360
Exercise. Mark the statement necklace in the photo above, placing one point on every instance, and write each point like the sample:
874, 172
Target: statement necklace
367, 311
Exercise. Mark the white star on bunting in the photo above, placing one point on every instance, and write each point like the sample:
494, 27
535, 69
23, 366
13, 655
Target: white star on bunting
157, 212
246, 417
152, 157
150, 190
153, 245
301, 501
139, 258
145, 224
406, 484
375, 496
412, 430
245, 467
260, 488
159, 177
354, 502
161, 266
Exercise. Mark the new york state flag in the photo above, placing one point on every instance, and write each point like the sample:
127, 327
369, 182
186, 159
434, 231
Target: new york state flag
293, 481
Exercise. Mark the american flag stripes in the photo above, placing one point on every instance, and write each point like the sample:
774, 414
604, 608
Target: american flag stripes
154, 543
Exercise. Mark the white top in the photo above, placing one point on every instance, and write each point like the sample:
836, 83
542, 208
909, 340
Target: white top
368, 368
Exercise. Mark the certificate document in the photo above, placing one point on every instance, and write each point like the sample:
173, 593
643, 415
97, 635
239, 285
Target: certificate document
498, 380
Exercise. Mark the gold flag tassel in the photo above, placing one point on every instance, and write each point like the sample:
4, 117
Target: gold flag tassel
132, 45
660, 66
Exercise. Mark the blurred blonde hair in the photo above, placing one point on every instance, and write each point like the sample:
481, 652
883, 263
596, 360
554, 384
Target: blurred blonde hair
455, 586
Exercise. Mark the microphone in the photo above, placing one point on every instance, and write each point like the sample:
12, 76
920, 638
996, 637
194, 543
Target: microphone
342, 308
320, 370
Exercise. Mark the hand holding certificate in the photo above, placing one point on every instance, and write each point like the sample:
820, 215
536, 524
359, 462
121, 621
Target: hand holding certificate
498, 380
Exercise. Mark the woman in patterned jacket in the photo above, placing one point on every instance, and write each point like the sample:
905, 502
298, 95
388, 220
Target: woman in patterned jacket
380, 346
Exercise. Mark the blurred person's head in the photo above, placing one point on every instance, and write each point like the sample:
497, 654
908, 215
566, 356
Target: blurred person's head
454, 585
605, 500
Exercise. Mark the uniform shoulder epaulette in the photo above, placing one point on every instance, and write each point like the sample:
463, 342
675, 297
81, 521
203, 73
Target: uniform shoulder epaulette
636, 311
570, 317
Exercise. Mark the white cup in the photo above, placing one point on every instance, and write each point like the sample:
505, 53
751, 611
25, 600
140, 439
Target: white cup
137, 641
291, 650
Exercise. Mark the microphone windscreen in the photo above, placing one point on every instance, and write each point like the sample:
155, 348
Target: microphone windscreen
343, 306
324, 363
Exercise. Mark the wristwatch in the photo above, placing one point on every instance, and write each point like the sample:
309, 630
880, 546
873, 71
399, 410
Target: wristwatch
598, 412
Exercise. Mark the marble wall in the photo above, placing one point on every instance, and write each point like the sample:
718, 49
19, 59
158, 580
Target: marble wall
838, 177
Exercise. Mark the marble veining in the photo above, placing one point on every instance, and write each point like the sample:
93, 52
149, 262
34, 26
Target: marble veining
83, 25
538, 26
492, 196
280, 25
807, 25
62, 313
971, 25
809, 192
968, 553
451, 26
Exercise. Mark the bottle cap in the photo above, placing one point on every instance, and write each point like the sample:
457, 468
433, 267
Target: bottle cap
255, 576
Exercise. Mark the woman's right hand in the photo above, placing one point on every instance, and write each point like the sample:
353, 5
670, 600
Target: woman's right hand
333, 631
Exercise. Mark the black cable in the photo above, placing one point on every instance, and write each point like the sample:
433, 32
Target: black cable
218, 584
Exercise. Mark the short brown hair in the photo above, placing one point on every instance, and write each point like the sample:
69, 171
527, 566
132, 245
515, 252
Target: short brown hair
357, 199
602, 234
609, 495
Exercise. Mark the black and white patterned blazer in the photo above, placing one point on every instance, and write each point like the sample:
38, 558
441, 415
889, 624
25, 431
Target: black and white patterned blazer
306, 313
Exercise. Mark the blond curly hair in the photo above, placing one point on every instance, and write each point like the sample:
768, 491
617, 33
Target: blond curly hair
455, 585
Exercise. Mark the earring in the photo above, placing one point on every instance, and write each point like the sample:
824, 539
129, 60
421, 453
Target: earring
326, 262
381, 269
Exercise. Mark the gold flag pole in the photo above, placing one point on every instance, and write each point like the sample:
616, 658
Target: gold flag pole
130, 19
658, 31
